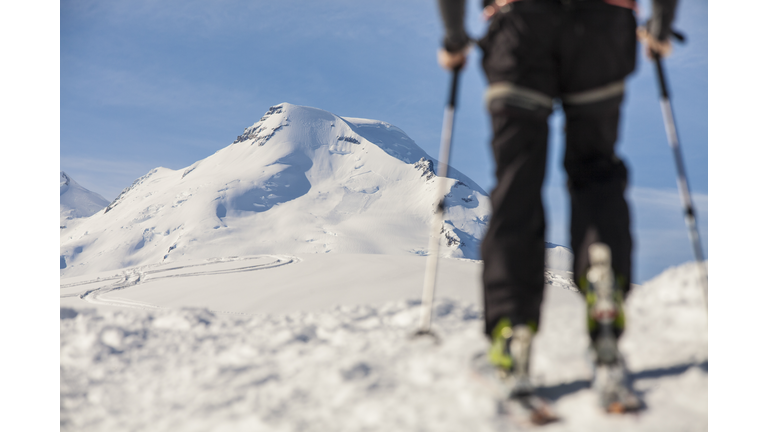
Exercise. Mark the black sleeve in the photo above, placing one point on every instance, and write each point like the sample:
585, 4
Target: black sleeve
660, 24
452, 12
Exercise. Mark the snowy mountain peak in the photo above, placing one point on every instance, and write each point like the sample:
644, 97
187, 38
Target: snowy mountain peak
299, 180
338, 133
76, 201
261, 131
427, 168
65, 180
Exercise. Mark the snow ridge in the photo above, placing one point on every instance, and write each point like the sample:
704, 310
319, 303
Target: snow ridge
127, 190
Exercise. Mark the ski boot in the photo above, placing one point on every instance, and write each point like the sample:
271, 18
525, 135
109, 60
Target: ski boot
605, 320
510, 355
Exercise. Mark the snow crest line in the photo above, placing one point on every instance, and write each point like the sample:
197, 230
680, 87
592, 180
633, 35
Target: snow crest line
139, 275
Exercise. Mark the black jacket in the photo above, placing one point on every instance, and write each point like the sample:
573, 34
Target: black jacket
456, 38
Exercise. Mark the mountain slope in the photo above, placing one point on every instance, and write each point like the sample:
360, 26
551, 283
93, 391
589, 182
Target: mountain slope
76, 201
300, 180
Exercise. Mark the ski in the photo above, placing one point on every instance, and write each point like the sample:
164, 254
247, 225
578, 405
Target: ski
516, 401
615, 394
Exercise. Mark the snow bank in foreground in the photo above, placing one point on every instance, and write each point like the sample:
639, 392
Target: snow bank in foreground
353, 368
347, 369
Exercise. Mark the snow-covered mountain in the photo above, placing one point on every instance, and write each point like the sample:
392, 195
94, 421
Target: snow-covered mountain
558, 257
76, 201
300, 180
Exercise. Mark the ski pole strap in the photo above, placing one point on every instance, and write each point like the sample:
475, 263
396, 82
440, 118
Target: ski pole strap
497, 6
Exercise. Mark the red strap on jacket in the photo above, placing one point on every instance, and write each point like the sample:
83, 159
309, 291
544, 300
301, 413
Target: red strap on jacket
628, 4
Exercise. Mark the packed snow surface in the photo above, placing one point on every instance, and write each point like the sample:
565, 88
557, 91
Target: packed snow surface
190, 347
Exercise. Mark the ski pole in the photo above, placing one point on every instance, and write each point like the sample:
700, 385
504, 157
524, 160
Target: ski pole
682, 180
430, 276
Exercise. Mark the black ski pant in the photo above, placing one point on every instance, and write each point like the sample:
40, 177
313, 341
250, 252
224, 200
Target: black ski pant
535, 54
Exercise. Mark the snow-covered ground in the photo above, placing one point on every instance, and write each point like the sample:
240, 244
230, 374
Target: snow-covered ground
321, 342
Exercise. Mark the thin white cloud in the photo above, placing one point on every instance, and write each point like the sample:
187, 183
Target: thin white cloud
150, 89
304, 18
667, 202
659, 232
104, 166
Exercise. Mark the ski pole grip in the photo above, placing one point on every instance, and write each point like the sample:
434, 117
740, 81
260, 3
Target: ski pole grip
454, 87
662, 78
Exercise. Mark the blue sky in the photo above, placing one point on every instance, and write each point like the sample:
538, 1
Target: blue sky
166, 83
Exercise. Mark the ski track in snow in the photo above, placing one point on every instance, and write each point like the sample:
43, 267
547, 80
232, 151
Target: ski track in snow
144, 274
354, 368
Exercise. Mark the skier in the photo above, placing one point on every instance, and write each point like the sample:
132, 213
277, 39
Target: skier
578, 52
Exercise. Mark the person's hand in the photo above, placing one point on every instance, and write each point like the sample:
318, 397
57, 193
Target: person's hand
452, 61
653, 45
